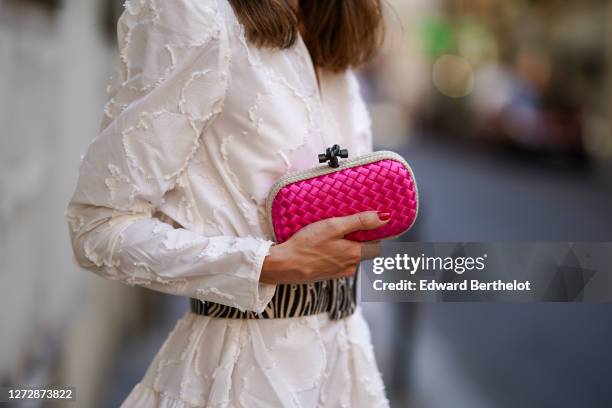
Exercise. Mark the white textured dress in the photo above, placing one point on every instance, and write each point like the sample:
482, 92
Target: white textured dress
171, 196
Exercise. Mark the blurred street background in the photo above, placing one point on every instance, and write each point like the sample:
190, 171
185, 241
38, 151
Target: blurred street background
502, 107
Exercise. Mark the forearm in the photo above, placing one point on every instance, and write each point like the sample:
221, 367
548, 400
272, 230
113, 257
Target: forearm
277, 265
146, 252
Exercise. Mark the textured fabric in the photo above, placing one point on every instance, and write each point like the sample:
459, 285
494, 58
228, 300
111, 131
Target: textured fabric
384, 185
171, 193
337, 298
313, 362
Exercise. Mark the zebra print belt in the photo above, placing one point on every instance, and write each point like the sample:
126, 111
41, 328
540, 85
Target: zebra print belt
336, 297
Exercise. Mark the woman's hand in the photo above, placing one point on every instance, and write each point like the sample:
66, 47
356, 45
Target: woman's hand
319, 251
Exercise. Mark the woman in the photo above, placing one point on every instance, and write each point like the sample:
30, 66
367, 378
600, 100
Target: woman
214, 101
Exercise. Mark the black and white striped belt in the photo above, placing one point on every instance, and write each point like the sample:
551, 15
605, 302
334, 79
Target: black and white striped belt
336, 297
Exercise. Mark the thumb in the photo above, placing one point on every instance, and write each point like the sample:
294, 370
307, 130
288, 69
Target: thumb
362, 221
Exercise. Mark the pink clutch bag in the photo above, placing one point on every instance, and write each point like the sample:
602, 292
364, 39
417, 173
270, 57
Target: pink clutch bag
380, 181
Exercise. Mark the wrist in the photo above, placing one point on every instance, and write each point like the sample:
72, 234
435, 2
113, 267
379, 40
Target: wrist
275, 263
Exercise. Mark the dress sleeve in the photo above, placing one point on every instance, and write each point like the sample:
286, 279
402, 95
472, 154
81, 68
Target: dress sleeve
171, 86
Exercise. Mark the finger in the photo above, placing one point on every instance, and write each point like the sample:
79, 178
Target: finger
362, 221
370, 250
348, 272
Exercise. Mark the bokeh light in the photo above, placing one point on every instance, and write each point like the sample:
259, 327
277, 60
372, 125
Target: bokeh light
453, 76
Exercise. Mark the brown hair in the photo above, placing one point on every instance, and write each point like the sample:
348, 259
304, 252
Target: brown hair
338, 33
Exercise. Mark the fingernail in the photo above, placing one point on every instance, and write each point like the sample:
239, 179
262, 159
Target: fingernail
384, 216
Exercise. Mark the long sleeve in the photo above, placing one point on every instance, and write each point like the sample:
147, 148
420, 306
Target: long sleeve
173, 77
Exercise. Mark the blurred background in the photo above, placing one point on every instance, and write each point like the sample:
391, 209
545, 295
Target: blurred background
502, 107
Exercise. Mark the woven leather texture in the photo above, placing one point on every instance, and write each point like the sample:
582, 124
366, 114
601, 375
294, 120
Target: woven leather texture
384, 185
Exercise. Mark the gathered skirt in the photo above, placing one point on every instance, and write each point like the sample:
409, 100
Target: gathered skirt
309, 361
